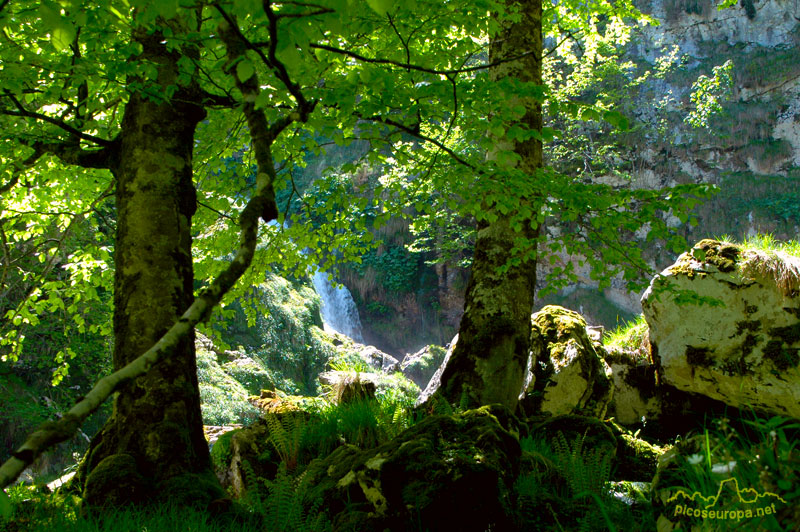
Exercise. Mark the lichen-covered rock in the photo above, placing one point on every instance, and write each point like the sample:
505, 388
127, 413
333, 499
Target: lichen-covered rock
636, 394
444, 473
720, 328
419, 367
566, 372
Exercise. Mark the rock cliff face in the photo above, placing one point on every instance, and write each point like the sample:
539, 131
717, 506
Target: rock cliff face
751, 149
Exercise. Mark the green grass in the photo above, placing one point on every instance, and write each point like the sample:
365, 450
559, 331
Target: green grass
765, 257
36, 511
631, 337
762, 454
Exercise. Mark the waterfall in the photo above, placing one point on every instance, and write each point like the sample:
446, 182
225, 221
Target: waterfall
339, 312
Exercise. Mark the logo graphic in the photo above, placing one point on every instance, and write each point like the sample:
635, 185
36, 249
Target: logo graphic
748, 502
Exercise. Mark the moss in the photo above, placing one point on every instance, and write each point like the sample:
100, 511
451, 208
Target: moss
783, 357
636, 459
780, 350
114, 482
699, 356
722, 255
744, 325
221, 451
448, 472
191, 490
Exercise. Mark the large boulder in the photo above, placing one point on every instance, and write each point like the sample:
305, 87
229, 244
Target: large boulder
451, 472
725, 323
567, 373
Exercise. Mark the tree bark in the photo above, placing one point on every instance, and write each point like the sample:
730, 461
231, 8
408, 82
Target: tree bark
153, 445
489, 361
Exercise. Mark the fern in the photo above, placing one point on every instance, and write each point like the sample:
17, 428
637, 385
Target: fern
286, 433
287, 507
587, 473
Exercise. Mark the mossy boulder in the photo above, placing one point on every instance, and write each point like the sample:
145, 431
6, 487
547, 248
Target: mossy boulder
242, 456
445, 473
567, 373
724, 323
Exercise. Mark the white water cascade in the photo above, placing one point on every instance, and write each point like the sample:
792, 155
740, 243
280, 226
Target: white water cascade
339, 312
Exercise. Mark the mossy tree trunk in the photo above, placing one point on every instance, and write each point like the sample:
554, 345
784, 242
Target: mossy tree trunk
153, 446
489, 361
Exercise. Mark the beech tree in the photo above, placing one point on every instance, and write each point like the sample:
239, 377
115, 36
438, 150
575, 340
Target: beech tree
489, 360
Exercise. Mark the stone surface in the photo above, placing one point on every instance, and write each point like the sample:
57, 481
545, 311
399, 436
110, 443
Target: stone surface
448, 472
730, 335
419, 367
436, 380
636, 396
567, 375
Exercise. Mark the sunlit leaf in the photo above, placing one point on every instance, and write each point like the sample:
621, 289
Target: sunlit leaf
381, 7
62, 36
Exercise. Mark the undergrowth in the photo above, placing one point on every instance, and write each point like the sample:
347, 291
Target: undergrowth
564, 484
761, 455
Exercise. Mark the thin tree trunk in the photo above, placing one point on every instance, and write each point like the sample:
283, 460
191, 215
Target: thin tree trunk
489, 361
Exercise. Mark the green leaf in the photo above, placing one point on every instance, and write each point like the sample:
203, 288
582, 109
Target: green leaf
62, 36
6, 509
381, 7
244, 70
167, 9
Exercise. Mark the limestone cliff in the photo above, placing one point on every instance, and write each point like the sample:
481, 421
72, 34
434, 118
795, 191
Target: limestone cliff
751, 149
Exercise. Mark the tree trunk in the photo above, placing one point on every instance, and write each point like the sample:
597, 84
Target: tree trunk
152, 446
489, 361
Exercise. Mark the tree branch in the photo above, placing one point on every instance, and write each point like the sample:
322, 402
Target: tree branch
71, 154
418, 135
21, 111
20, 167
409, 66
283, 75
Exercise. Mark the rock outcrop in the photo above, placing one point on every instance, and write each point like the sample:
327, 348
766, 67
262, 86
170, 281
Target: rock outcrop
419, 367
446, 473
567, 374
725, 323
